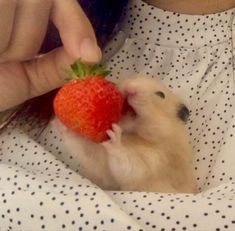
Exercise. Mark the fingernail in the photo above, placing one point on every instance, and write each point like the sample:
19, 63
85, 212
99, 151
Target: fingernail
89, 50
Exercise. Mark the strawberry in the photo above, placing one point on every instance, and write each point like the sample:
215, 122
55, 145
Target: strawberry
88, 104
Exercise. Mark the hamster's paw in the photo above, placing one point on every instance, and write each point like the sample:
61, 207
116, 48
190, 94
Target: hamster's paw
115, 137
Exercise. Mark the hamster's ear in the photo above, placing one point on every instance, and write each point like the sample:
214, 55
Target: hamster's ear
160, 94
183, 113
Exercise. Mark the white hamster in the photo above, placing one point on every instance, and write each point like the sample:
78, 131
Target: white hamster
147, 151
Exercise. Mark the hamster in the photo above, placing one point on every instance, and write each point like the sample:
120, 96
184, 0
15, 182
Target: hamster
148, 150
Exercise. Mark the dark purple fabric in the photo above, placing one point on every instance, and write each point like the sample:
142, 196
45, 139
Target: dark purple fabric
103, 14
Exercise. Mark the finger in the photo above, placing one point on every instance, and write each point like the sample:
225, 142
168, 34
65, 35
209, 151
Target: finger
116, 128
111, 135
47, 72
75, 30
20, 82
29, 29
7, 13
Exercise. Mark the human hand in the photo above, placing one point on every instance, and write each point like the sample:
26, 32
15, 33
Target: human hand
23, 26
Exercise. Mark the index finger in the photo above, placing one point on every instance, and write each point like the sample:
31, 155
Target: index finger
75, 30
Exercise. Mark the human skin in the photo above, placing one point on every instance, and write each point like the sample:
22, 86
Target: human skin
23, 25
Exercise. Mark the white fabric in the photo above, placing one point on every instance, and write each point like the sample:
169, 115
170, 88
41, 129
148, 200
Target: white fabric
40, 188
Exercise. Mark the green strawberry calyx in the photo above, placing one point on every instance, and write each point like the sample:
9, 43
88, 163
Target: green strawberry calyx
80, 70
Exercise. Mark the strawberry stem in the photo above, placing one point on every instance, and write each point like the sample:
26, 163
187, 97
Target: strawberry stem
79, 70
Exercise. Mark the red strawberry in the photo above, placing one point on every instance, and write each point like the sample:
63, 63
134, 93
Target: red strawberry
89, 104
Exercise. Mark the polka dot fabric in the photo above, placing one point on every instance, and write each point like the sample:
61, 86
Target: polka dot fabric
40, 187
38, 192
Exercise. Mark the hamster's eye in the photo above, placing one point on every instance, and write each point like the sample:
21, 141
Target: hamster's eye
183, 113
161, 94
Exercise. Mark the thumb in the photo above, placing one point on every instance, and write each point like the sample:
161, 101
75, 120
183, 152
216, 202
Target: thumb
22, 81
75, 30
47, 72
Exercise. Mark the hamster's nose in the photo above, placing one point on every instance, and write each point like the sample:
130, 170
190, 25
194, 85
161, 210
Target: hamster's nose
129, 92
130, 89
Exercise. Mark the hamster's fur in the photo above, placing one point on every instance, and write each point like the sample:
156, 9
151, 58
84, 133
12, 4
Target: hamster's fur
148, 151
